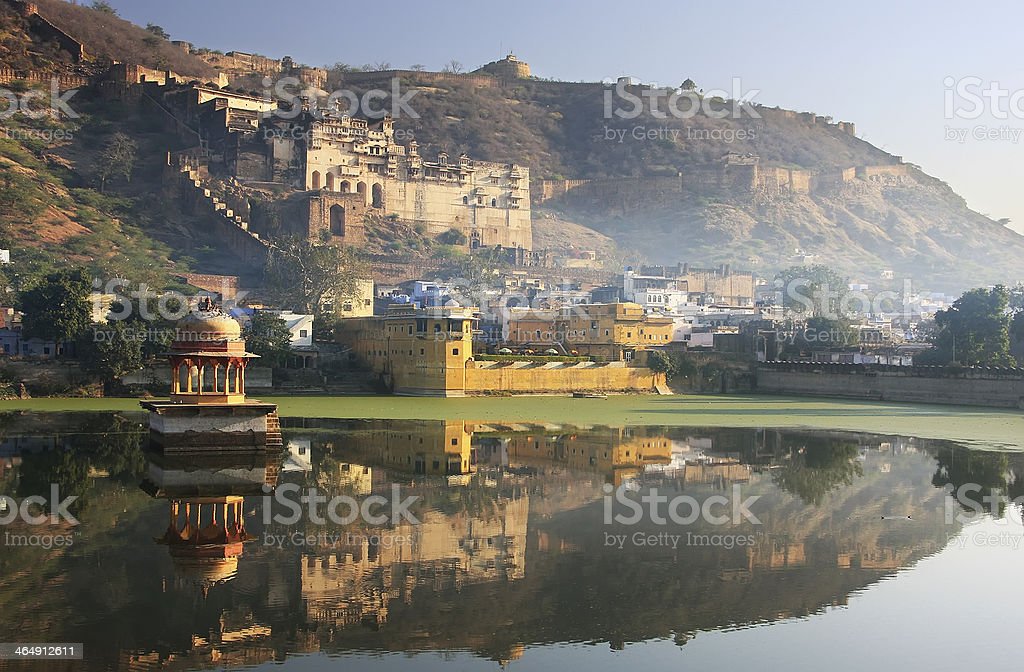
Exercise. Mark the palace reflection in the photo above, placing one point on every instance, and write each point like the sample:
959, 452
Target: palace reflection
511, 548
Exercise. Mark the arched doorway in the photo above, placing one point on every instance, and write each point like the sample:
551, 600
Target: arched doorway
346, 186
378, 196
338, 220
361, 190
315, 183
330, 181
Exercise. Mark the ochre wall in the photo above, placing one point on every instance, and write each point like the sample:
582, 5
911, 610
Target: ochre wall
488, 377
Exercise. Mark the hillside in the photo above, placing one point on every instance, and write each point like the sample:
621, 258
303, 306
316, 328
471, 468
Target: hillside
24, 46
664, 190
759, 188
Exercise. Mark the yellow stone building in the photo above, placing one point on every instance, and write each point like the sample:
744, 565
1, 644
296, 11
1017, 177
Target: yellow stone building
429, 352
609, 331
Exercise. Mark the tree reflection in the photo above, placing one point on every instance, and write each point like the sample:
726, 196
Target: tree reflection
985, 475
816, 468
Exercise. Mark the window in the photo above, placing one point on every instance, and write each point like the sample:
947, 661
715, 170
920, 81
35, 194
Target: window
455, 351
303, 333
455, 442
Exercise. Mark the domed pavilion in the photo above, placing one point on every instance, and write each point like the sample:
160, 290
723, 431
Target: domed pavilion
207, 409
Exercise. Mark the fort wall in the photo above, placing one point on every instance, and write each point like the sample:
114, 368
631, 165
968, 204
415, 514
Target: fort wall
931, 385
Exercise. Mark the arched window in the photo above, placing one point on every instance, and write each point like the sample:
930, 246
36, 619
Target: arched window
316, 180
338, 220
361, 189
378, 196
494, 202
465, 200
346, 186
330, 181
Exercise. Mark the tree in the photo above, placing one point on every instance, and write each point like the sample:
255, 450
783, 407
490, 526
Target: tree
267, 335
976, 327
105, 7
812, 290
58, 308
117, 158
158, 31
452, 237
303, 275
110, 351
417, 67
452, 67
688, 85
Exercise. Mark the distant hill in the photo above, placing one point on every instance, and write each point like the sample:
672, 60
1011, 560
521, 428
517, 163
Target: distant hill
678, 193
760, 188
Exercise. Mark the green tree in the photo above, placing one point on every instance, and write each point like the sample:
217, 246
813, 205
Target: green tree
105, 7
110, 351
976, 327
157, 30
58, 308
117, 158
812, 290
304, 276
267, 335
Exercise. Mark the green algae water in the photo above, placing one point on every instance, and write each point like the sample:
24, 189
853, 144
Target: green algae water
986, 428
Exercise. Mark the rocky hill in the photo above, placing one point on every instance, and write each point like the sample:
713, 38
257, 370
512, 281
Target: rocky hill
690, 178
763, 190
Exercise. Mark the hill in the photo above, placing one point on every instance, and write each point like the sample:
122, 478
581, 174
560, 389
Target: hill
761, 188
28, 44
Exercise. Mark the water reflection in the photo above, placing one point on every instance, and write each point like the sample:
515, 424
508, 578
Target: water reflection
194, 569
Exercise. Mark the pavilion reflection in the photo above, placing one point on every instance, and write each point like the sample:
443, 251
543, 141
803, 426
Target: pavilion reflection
206, 531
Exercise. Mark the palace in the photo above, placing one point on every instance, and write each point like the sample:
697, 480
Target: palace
353, 167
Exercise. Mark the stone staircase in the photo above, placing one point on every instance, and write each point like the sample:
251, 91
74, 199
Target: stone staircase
189, 166
275, 440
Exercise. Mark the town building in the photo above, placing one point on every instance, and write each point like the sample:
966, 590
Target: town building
429, 351
609, 332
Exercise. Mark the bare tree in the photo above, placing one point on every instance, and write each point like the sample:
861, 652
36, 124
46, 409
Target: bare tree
452, 67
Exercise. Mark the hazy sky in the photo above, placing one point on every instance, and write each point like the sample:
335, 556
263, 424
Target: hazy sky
887, 66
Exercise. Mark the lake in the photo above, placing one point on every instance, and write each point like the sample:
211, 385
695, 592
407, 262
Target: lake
481, 540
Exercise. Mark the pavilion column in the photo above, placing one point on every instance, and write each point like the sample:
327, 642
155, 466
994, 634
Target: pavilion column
202, 375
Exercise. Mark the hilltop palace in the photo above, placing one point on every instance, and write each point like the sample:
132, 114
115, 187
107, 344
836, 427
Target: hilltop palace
347, 167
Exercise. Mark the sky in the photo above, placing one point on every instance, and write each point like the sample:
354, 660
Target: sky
909, 74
